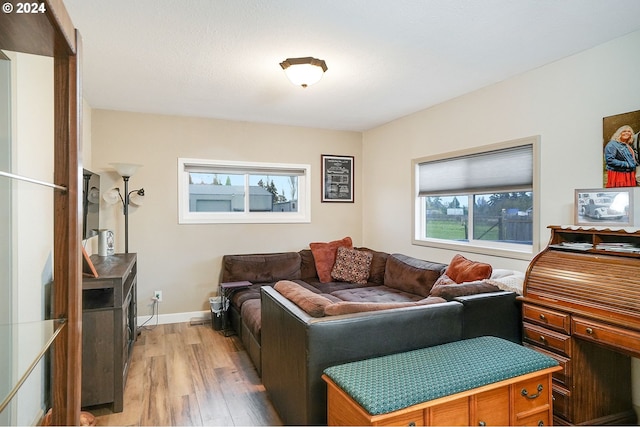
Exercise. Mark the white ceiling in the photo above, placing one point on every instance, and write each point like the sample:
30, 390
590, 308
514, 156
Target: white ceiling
386, 58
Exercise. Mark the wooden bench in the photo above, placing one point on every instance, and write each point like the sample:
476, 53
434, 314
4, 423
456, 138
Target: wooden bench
480, 381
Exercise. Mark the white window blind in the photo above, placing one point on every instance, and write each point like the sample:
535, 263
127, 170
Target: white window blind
243, 169
492, 171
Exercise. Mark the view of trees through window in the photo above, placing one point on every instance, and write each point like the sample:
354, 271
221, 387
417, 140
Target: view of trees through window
213, 192
498, 217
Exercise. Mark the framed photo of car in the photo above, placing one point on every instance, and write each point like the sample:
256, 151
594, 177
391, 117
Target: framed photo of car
337, 178
604, 206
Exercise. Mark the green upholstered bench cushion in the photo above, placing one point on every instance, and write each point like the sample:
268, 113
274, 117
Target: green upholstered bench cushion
389, 383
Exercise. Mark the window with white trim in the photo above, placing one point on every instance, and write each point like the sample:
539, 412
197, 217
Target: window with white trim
480, 200
218, 191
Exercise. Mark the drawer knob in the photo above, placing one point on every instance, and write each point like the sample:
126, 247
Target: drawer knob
542, 338
482, 423
525, 393
412, 423
589, 331
542, 316
540, 423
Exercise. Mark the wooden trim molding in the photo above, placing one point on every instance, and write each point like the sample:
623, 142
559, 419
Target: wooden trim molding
52, 34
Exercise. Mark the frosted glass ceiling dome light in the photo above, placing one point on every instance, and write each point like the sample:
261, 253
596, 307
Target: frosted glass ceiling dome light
304, 71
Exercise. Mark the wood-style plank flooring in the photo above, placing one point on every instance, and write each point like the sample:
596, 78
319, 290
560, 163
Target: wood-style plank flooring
190, 375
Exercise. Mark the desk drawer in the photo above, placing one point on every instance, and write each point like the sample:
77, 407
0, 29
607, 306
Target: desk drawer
551, 319
563, 376
562, 403
547, 339
622, 339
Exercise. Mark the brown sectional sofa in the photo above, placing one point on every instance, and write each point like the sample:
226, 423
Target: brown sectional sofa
291, 347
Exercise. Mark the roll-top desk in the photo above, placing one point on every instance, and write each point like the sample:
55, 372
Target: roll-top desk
581, 305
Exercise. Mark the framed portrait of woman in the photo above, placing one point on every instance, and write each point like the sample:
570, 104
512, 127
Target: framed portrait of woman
620, 161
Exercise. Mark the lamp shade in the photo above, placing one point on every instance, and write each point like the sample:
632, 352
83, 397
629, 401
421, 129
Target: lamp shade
112, 196
125, 169
137, 197
304, 71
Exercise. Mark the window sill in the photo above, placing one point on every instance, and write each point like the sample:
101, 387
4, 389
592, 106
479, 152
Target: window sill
525, 254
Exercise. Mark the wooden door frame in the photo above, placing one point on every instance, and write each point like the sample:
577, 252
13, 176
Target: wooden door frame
52, 34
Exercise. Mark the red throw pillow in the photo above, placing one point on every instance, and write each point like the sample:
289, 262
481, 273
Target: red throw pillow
324, 255
463, 270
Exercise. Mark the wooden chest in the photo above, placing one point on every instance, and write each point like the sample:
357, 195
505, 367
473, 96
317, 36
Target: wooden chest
506, 384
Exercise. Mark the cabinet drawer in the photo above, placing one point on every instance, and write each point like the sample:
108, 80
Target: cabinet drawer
452, 413
548, 339
491, 407
413, 418
532, 394
622, 339
540, 418
563, 376
551, 319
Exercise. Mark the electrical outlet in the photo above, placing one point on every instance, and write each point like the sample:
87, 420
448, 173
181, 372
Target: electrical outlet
157, 295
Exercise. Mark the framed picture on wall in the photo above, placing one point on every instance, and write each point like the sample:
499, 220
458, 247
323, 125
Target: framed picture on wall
620, 149
337, 178
604, 206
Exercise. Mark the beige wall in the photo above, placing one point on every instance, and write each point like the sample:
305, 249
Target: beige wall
563, 102
184, 260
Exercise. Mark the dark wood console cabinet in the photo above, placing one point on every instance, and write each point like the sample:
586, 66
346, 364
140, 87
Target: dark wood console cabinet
109, 329
581, 305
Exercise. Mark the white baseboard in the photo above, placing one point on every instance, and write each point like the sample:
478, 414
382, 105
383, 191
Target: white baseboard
164, 319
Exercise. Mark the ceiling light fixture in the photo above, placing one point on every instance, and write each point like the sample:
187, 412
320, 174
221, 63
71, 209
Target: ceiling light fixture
304, 71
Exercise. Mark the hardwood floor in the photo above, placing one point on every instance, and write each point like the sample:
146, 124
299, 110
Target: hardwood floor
190, 375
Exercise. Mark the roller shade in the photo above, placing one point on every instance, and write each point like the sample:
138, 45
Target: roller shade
508, 169
241, 170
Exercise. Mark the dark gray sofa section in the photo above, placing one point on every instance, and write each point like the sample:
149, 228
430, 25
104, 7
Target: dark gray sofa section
296, 347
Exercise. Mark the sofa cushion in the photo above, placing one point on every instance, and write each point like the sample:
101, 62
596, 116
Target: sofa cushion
453, 290
378, 264
352, 265
239, 297
411, 275
377, 294
330, 287
307, 300
324, 255
345, 307
463, 270
307, 264
251, 313
261, 267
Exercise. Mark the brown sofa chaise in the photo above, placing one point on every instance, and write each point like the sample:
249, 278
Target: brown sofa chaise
290, 347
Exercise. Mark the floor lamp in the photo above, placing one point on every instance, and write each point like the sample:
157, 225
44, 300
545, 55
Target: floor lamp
126, 171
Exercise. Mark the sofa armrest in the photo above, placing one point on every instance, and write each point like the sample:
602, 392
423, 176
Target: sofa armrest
296, 347
495, 313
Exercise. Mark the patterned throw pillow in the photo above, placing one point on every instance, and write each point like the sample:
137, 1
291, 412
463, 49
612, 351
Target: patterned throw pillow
352, 265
